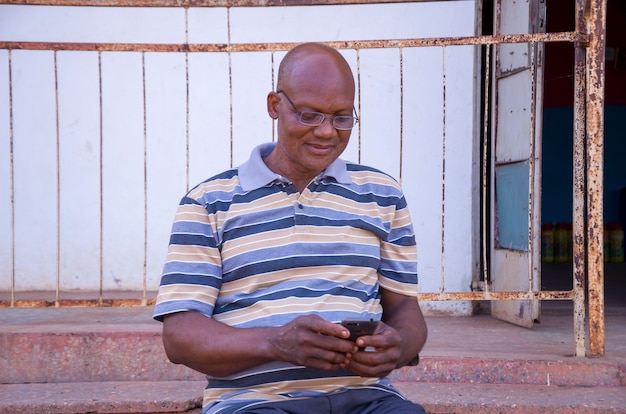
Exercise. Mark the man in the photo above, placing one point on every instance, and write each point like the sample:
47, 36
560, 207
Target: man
266, 260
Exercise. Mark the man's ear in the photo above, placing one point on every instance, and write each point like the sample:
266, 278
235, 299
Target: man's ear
272, 104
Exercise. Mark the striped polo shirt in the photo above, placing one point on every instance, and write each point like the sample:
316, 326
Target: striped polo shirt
248, 250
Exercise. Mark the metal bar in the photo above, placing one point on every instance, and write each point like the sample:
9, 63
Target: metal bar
534, 228
578, 207
490, 295
442, 258
595, 147
11, 175
358, 86
198, 3
58, 176
485, 179
440, 296
145, 172
75, 303
249, 47
401, 115
101, 178
230, 93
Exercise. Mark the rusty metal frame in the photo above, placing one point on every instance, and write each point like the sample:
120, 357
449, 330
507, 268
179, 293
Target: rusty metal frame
589, 42
593, 13
197, 3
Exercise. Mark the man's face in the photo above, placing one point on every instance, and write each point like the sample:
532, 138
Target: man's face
308, 150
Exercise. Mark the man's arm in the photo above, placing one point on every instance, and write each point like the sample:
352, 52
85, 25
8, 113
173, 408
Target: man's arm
219, 350
403, 313
397, 341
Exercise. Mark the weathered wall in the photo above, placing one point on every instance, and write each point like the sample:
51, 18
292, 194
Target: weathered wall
97, 147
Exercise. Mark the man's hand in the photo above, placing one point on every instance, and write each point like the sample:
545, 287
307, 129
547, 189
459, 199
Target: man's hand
381, 356
312, 342
398, 338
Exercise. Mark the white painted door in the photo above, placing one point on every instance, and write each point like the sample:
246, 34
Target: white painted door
516, 161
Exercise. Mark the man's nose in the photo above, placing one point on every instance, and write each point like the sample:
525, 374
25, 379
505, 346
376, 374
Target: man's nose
326, 128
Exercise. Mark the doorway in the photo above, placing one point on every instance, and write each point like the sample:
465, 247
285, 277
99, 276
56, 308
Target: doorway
558, 148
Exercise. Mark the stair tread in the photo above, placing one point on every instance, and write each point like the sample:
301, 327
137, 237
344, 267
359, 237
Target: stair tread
125, 344
513, 398
79, 361
185, 397
102, 397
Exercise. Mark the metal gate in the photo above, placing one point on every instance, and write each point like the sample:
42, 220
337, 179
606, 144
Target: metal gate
589, 41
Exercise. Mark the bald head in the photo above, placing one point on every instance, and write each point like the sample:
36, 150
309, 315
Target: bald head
314, 65
313, 80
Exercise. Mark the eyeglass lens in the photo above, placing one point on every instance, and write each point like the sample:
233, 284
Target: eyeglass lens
316, 118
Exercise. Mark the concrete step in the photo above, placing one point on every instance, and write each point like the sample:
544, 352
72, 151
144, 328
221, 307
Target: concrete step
102, 397
124, 344
466, 398
575, 372
84, 345
97, 360
185, 397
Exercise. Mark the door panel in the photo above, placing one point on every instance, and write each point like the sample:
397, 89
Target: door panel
514, 117
518, 312
512, 206
516, 162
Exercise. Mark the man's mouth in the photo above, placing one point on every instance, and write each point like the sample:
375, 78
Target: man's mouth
320, 149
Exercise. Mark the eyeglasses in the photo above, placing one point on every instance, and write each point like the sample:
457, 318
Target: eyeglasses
310, 118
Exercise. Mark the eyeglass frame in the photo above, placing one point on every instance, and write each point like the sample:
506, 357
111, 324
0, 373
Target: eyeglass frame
324, 116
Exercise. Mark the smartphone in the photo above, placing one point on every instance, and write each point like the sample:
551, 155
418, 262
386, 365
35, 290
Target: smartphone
360, 327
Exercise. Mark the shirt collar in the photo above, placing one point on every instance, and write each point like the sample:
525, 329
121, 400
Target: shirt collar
254, 174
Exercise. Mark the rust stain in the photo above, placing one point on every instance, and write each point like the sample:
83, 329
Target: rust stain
75, 303
197, 3
595, 16
254, 47
490, 295
579, 187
